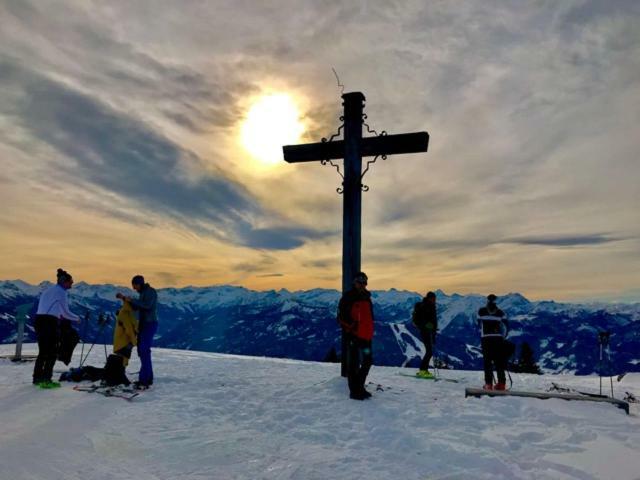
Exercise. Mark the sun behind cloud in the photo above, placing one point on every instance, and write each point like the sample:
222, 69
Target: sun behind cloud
272, 121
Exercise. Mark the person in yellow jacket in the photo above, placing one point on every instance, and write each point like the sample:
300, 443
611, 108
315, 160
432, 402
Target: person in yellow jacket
125, 333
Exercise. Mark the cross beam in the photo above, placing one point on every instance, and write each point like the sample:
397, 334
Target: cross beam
352, 149
370, 147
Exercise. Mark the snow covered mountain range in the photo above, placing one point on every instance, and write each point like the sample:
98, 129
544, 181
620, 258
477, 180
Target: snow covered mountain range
301, 325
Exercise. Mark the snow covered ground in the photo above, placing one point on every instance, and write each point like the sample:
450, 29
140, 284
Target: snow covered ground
213, 416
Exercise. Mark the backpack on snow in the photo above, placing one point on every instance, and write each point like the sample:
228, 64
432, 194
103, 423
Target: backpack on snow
416, 315
114, 371
86, 372
508, 349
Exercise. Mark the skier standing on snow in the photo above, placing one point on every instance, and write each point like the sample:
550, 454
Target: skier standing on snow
355, 315
493, 327
146, 305
53, 307
425, 318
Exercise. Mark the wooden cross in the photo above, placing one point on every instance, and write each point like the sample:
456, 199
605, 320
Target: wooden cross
352, 148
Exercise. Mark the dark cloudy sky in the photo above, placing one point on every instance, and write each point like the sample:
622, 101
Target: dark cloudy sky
120, 150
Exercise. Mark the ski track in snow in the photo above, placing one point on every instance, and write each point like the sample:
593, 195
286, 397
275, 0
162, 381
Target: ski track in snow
216, 416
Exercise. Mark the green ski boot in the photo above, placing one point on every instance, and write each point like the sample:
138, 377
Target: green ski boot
48, 384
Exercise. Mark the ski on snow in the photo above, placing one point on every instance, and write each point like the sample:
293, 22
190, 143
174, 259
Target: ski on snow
555, 387
479, 392
435, 379
126, 393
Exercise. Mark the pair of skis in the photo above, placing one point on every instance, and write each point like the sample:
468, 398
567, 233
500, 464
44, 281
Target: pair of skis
435, 379
555, 387
119, 391
628, 396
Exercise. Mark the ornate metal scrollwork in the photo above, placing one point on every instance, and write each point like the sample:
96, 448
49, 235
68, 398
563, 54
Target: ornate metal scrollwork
337, 134
328, 161
365, 188
371, 130
337, 167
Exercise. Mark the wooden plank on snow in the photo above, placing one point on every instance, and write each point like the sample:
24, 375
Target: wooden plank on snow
479, 392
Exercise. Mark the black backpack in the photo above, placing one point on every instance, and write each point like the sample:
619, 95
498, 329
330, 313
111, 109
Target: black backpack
508, 349
114, 371
416, 315
86, 372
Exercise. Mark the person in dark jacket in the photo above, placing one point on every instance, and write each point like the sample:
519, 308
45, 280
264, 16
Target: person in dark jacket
146, 306
425, 318
355, 314
494, 327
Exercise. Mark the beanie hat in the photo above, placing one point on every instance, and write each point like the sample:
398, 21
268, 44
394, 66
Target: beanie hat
361, 277
63, 276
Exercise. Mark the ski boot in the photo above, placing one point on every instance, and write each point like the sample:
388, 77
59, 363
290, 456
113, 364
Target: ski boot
357, 396
424, 374
141, 386
487, 386
500, 386
48, 384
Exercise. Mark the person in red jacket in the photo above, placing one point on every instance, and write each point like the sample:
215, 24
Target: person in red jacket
355, 314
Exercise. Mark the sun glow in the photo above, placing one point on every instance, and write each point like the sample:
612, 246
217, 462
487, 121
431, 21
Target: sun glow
271, 122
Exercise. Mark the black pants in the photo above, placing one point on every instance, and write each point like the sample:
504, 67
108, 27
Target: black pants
359, 363
46, 327
428, 338
493, 354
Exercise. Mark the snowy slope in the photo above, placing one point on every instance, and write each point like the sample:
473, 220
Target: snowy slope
214, 416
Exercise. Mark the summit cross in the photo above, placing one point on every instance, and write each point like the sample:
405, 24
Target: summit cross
352, 148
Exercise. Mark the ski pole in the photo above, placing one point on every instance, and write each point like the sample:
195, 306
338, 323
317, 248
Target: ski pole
611, 378
84, 333
106, 356
435, 357
102, 324
600, 369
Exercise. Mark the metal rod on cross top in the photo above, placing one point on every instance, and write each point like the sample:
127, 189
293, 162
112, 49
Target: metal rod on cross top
352, 148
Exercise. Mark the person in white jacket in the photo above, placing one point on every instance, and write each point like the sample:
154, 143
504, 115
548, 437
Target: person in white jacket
53, 307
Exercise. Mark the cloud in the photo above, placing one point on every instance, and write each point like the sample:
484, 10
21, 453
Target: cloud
265, 262
79, 46
397, 206
531, 110
322, 263
122, 155
564, 241
167, 278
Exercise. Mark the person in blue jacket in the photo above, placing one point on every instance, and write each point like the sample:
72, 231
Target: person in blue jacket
146, 305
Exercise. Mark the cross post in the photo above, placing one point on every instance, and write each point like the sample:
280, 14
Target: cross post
352, 148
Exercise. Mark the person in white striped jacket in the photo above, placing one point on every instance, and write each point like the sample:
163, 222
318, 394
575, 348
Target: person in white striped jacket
494, 327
